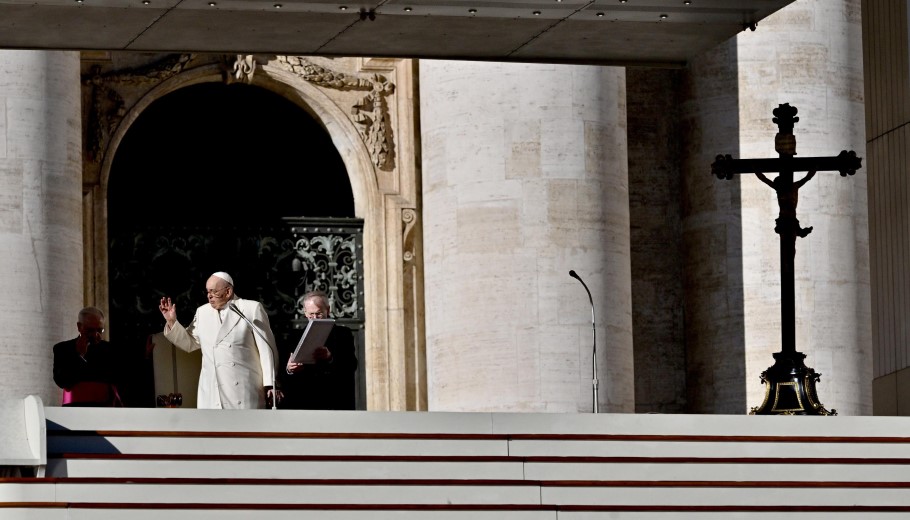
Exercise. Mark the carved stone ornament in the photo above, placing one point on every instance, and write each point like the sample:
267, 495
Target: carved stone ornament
408, 220
370, 114
106, 105
242, 69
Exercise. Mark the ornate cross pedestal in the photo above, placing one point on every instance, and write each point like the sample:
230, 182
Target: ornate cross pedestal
790, 384
790, 388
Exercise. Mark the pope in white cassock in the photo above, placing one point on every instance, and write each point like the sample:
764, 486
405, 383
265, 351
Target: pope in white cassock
238, 361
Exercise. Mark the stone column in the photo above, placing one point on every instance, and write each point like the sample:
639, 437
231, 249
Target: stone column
40, 216
809, 54
525, 179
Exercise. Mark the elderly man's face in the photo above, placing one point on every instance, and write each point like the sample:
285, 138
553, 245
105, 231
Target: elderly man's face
218, 292
315, 308
92, 327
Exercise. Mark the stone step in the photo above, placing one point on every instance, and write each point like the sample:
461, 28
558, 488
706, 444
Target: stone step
63, 511
441, 444
235, 494
532, 468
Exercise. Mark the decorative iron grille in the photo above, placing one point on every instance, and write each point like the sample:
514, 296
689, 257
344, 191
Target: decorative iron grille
328, 256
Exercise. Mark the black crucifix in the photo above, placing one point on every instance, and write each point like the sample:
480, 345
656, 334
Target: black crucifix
790, 383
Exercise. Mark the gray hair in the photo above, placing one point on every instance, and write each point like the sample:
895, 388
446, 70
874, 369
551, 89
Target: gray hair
318, 295
90, 311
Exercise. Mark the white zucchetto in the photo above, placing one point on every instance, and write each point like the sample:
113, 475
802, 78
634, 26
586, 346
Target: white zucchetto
224, 276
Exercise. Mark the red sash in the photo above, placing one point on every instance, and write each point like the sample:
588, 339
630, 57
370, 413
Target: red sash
92, 392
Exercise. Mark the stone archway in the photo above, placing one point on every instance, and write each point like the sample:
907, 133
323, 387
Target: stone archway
366, 106
209, 178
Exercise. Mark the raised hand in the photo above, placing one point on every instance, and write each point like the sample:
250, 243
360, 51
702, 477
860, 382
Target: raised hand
168, 310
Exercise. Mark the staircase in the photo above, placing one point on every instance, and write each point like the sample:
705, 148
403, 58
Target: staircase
174, 464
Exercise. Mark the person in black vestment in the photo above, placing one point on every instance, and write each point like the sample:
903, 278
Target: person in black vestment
87, 367
329, 383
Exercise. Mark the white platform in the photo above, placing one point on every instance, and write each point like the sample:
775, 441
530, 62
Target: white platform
194, 464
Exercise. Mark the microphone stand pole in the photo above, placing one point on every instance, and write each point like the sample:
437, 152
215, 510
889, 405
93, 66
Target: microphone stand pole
573, 274
176, 395
272, 364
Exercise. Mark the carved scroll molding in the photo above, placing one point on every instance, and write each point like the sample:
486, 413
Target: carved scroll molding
415, 389
370, 114
408, 220
106, 99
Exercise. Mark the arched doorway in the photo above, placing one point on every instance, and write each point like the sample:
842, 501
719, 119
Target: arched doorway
204, 180
367, 106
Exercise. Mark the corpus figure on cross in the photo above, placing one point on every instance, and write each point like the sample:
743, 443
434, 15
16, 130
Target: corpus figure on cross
787, 198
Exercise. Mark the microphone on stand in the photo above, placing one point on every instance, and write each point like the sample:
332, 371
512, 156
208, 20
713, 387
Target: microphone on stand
256, 330
573, 274
234, 308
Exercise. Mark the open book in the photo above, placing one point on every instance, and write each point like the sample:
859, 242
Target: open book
314, 336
